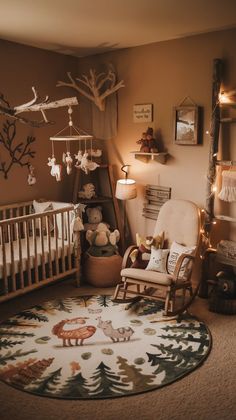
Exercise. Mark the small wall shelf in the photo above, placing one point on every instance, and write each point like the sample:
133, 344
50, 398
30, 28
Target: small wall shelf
145, 157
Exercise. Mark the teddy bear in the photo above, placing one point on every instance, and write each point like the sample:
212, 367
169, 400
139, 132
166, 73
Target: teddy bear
102, 241
94, 217
88, 191
141, 255
147, 142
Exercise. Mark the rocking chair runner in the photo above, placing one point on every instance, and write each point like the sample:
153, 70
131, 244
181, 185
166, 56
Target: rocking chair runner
181, 223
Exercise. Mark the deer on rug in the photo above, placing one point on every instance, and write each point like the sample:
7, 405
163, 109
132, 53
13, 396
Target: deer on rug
116, 334
76, 334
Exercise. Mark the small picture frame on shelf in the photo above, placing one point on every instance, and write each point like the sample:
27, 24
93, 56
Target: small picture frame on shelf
142, 113
186, 125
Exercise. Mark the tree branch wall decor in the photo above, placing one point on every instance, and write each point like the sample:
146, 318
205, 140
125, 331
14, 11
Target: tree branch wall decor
19, 153
95, 86
36, 104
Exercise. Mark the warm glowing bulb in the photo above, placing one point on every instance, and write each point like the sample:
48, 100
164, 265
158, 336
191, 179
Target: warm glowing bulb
207, 132
214, 188
202, 210
223, 98
214, 222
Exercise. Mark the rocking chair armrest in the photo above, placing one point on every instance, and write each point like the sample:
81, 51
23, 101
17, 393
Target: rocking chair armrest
126, 257
179, 264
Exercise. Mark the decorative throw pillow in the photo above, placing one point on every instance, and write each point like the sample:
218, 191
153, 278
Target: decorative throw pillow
175, 251
141, 256
158, 260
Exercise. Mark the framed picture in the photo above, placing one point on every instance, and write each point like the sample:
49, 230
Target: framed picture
186, 125
142, 113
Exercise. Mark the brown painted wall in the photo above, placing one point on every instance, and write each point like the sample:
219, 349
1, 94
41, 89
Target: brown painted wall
21, 68
164, 74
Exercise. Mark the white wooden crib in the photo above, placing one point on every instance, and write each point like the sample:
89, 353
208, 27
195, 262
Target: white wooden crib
36, 248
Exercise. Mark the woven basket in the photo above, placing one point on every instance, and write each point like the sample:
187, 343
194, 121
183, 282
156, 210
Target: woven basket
103, 271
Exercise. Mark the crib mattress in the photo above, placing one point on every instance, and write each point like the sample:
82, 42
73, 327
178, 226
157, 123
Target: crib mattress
32, 253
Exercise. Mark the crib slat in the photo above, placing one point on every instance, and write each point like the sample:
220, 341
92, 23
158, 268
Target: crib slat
41, 223
69, 240
13, 271
36, 274
63, 242
3, 236
20, 256
56, 243
27, 237
49, 245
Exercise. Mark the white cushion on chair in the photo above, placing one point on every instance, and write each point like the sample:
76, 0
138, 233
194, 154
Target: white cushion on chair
147, 276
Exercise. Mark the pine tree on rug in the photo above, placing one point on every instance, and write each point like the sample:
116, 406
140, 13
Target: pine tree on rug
106, 382
174, 361
32, 315
132, 374
13, 356
6, 333
64, 305
185, 333
13, 323
148, 307
48, 384
84, 301
30, 373
9, 371
74, 387
104, 300
4, 344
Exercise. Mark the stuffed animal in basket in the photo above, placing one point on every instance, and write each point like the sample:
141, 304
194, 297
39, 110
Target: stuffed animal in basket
141, 256
94, 218
103, 242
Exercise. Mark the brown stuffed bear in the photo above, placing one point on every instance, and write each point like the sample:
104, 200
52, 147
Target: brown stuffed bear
148, 143
141, 256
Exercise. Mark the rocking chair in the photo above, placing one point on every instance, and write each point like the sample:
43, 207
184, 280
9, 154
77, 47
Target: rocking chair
180, 222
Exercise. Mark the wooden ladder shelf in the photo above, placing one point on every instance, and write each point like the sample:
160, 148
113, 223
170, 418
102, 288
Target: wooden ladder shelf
101, 177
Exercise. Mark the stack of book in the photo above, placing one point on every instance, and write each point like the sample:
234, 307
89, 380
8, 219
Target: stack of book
155, 197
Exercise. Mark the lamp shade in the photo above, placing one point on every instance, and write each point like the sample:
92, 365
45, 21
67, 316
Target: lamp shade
126, 189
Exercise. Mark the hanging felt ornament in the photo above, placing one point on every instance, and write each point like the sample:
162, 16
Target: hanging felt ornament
228, 190
31, 175
67, 160
78, 158
56, 170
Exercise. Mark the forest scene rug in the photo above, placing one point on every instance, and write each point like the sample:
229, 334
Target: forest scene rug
90, 347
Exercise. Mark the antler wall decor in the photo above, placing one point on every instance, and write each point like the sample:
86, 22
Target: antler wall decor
95, 85
34, 105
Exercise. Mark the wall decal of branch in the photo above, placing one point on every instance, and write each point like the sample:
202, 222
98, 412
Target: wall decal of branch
19, 153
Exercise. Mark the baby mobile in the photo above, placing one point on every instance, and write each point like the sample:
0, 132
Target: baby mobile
84, 156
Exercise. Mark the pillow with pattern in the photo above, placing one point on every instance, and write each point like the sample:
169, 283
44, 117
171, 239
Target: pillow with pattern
175, 251
158, 260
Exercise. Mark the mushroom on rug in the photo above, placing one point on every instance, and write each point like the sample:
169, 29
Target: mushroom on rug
90, 347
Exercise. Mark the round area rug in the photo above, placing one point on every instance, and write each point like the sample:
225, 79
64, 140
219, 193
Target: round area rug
90, 347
